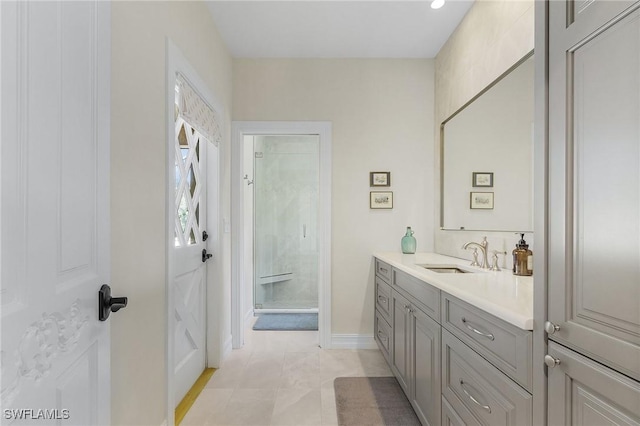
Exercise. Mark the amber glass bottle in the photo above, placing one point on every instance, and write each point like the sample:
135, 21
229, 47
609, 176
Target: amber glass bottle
522, 258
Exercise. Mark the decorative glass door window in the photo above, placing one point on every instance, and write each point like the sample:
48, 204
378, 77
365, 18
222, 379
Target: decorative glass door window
188, 184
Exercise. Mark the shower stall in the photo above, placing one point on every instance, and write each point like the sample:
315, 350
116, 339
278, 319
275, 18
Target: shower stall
285, 223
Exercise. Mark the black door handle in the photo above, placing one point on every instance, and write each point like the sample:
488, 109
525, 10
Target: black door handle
108, 304
205, 256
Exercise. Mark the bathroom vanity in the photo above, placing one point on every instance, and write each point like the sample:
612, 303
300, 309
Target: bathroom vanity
458, 338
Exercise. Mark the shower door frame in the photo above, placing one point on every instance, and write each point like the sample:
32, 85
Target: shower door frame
257, 211
239, 130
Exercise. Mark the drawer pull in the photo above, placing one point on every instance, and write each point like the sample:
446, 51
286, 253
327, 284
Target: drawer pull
384, 299
385, 270
475, 330
381, 335
475, 401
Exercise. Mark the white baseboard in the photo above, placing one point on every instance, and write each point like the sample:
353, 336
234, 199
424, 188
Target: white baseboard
353, 341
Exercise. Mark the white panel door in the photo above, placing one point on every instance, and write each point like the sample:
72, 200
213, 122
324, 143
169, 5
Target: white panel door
188, 283
55, 212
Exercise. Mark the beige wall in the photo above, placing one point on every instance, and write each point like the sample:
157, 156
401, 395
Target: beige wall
382, 117
139, 31
493, 36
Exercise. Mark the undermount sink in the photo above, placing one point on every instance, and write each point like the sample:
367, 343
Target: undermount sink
445, 269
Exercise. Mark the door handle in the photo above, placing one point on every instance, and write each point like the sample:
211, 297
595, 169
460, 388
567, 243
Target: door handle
551, 361
550, 327
475, 330
108, 304
205, 256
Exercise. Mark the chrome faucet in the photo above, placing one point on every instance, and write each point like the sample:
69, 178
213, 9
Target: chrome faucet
483, 246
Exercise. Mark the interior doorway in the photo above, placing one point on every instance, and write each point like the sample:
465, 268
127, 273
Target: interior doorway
281, 184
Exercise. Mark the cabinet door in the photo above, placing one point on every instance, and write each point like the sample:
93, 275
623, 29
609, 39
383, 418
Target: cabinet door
594, 179
401, 329
425, 367
382, 335
583, 392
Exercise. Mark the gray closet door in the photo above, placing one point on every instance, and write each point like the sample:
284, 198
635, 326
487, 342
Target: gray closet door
583, 392
594, 180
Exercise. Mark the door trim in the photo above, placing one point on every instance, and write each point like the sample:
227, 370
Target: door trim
238, 130
176, 62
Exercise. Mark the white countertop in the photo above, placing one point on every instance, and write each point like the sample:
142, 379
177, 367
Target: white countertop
507, 296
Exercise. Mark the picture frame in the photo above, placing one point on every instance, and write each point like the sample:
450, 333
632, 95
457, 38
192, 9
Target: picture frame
379, 179
482, 180
481, 200
381, 200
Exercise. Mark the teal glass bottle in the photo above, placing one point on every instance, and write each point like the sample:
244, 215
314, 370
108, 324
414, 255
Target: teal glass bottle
408, 242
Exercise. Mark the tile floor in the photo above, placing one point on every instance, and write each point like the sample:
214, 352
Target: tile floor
280, 378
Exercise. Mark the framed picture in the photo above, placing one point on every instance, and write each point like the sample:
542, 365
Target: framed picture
481, 200
483, 179
381, 200
380, 179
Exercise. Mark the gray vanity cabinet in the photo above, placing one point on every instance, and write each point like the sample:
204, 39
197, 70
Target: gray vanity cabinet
477, 391
506, 346
468, 376
425, 367
414, 349
382, 316
400, 350
401, 319
416, 357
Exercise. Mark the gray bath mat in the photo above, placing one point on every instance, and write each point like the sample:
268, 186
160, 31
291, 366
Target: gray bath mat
286, 322
372, 401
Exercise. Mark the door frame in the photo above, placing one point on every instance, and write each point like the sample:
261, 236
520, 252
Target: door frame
177, 63
238, 130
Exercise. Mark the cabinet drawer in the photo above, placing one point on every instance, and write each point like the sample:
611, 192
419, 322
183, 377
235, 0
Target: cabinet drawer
383, 270
382, 335
424, 295
491, 397
383, 297
458, 416
506, 346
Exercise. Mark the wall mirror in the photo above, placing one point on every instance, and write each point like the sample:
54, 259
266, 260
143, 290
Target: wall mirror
487, 157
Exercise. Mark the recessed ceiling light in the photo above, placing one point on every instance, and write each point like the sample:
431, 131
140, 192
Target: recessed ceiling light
437, 4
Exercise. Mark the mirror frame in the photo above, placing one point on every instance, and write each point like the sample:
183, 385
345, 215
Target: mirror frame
459, 110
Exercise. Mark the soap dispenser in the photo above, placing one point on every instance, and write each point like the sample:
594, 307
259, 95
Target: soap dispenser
522, 258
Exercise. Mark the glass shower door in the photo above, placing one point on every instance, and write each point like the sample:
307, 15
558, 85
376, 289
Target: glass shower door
286, 179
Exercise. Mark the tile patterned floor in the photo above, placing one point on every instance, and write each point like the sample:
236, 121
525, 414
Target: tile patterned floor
280, 378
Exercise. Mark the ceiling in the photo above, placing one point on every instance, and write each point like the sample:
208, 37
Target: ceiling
336, 29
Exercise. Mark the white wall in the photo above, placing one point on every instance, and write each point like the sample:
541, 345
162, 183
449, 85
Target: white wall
139, 31
382, 117
494, 35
